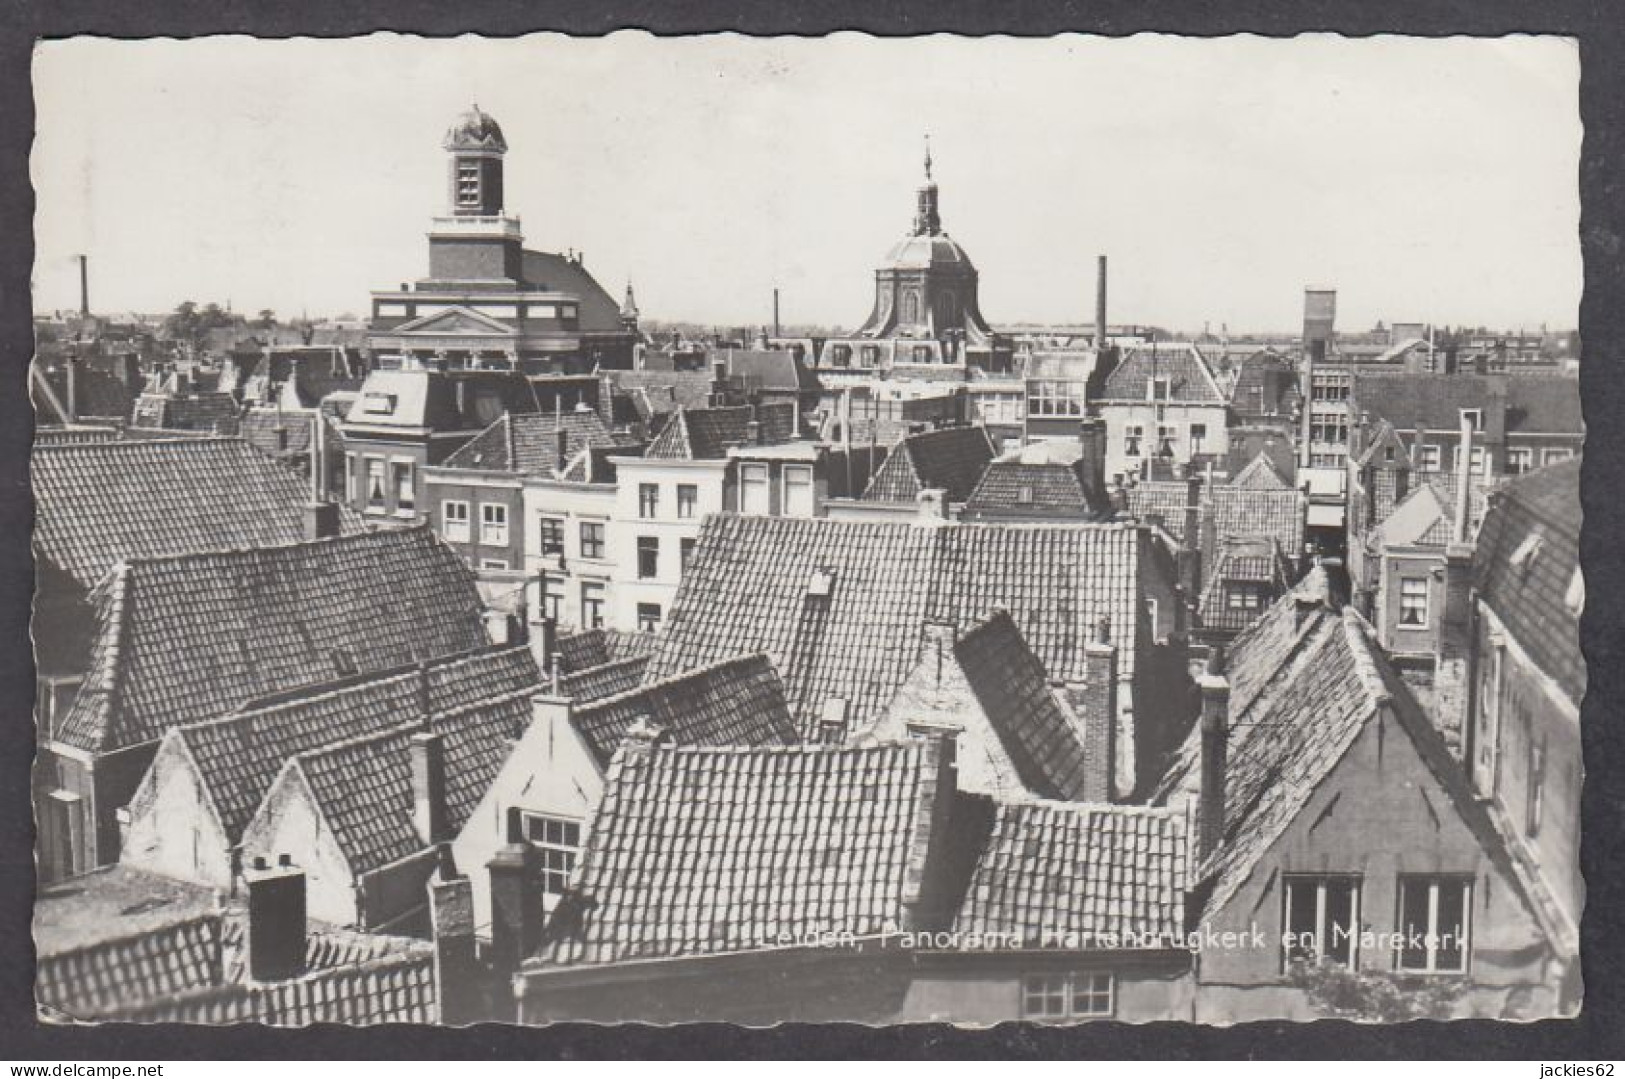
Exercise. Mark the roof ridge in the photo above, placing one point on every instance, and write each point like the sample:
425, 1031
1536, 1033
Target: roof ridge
1058, 805
357, 538
669, 680
321, 691
143, 443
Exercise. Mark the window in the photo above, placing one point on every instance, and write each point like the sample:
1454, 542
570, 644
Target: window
454, 521
753, 494
1158, 389
493, 563
592, 539
1067, 996
842, 355
1434, 913
1166, 433
648, 617
406, 501
592, 604
798, 491
1320, 918
1132, 434
1520, 459
558, 840
1243, 597
468, 183
1413, 602
648, 499
1479, 465
1537, 785
375, 484
351, 477
1551, 457
553, 598
648, 557
1198, 435
687, 496
1329, 427
550, 534
493, 524
1430, 458
686, 550
1053, 397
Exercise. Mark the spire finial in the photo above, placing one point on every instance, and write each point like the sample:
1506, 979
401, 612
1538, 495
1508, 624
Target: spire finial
928, 155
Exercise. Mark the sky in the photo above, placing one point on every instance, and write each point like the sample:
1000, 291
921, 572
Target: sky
1424, 179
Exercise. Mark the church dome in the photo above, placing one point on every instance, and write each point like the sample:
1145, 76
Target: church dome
475, 130
924, 252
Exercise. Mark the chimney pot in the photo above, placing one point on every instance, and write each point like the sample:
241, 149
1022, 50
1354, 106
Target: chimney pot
458, 982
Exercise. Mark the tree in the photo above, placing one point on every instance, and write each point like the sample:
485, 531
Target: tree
1374, 996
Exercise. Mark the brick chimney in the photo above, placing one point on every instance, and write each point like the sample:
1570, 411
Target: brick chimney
644, 739
719, 384
321, 520
931, 506
1190, 547
1092, 463
1453, 658
1094, 702
1495, 424
544, 634
1214, 756
561, 448
1100, 306
428, 752
458, 982
276, 920
517, 916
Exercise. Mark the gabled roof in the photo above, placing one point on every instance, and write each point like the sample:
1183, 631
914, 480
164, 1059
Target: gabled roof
190, 637
417, 399
1189, 380
705, 434
598, 311
1265, 384
839, 606
362, 788
1237, 511
205, 411
1102, 875
1386, 500
656, 392
1260, 475
1423, 519
1527, 569
606, 680
1041, 489
528, 443
950, 459
776, 370
595, 647
1258, 561
736, 702
101, 502
1016, 737
773, 843
238, 757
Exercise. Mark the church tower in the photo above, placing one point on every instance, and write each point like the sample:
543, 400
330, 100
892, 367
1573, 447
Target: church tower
476, 240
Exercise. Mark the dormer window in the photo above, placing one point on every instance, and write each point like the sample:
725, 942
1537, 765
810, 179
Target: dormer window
377, 404
1158, 389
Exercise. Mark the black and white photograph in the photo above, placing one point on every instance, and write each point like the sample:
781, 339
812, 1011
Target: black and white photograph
832, 529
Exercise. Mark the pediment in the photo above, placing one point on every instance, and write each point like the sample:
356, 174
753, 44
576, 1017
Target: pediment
457, 320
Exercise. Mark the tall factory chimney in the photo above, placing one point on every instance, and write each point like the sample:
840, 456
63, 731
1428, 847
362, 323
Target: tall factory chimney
84, 286
776, 331
1100, 304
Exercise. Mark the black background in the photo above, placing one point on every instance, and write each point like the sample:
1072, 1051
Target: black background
1599, 28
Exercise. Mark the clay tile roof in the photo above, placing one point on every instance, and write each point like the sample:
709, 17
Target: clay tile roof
393, 989
190, 637
951, 459
754, 585
1039, 737
1260, 475
192, 412
1238, 511
596, 647
701, 850
736, 702
1526, 569
102, 502
362, 788
705, 434
528, 443
605, 680
115, 935
1190, 381
1257, 561
663, 392
236, 758
1110, 876
1047, 489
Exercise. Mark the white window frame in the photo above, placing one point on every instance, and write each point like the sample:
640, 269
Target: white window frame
382, 505
1426, 604
592, 614
688, 506
455, 527
410, 507
648, 501
1432, 457
1520, 459
1434, 884
493, 563
549, 835
755, 483
493, 525
647, 545
1556, 454
601, 546
798, 499
1056, 996
543, 520
1349, 954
